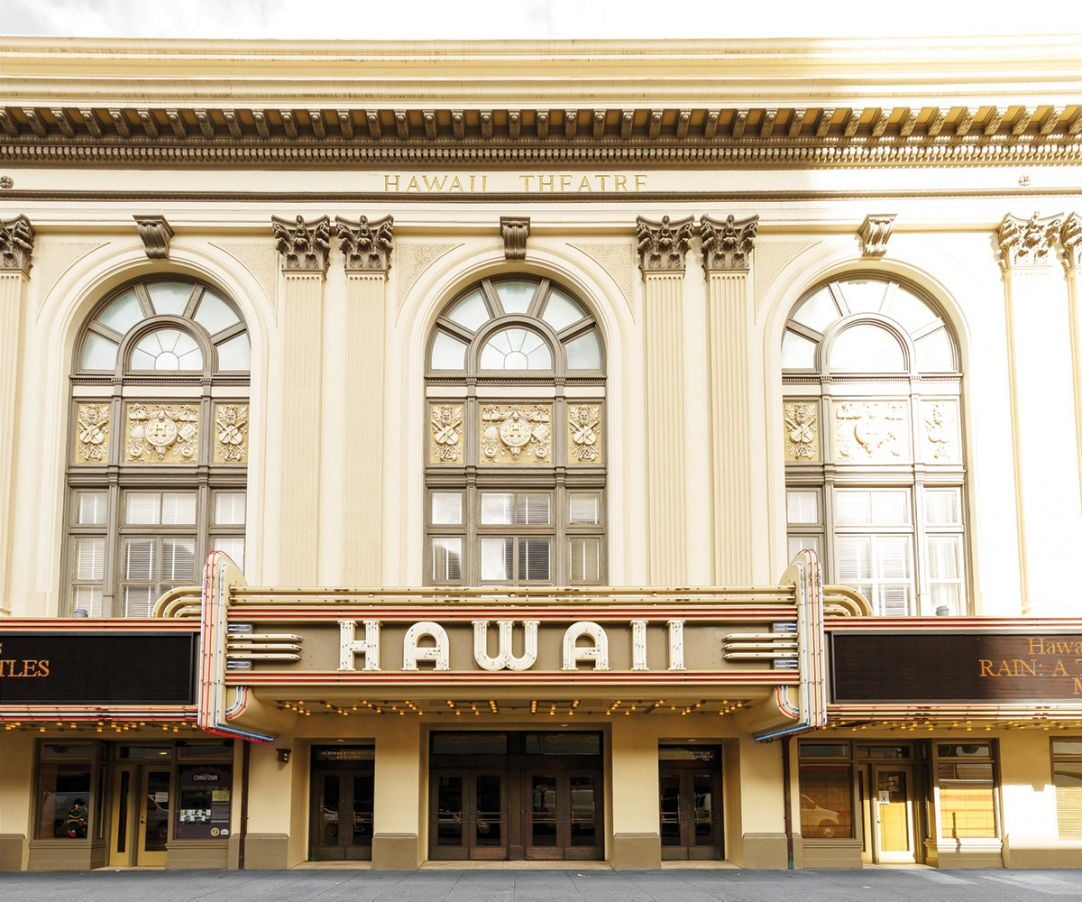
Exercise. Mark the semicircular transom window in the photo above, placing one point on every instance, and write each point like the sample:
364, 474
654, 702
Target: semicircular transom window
198, 317
865, 346
521, 346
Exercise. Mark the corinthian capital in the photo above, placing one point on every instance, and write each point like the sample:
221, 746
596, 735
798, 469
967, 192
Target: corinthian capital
303, 246
1070, 237
662, 245
727, 243
16, 245
1027, 242
366, 244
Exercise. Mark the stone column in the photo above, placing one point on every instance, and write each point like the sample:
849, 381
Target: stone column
636, 837
303, 248
366, 248
662, 249
727, 246
1043, 409
396, 827
1071, 239
16, 251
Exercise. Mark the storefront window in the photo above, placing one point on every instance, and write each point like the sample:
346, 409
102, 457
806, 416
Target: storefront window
1067, 774
63, 793
203, 809
826, 791
966, 778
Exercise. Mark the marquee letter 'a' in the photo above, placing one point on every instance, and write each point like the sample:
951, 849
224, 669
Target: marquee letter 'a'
505, 659
598, 652
412, 652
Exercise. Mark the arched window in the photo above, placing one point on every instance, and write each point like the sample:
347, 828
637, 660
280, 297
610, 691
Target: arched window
159, 448
873, 449
515, 476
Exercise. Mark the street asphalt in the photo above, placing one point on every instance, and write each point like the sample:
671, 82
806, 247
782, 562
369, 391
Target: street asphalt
670, 885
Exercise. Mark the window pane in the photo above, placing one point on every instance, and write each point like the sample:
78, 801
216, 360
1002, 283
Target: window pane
178, 508
138, 601
818, 311
853, 507
868, 349
854, 558
516, 349
799, 543
89, 557
447, 508
233, 546
143, 508
1067, 747
802, 506
585, 560
169, 297
863, 295
446, 560
448, 353
561, 311
139, 559
966, 800
98, 353
63, 793
910, 312
167, 350
497, 508
87, 598
584, 353
944, 557
471, 311
178, 559
892, 557
533, 558
893, 601
496, 559
515, 296
123, 313
1068, 779
890, 507
797, 352
90, 508
942, 507
214, 314
532, 510
236, 354
585, 508
229, 508
826, 794
934, 352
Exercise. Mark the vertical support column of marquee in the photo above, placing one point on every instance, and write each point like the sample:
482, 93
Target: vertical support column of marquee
662, 250
304, 248
1071, 239
1043, 409
366, 248
727, 246
16, 250
636, 820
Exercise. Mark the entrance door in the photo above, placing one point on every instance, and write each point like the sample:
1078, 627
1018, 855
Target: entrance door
342, 814
892, 813
469, 814
563, 814
690, 802
140, 817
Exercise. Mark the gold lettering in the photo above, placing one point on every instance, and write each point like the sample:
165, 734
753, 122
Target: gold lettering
544, 182
621, 182
456, 184
1078, 685
390, 183
584, 184
640, 181
412, 184
565, 182
1025, 668
434, 183
1060, 670
43, 667
986, 667
484, 183
602, 179
526, 179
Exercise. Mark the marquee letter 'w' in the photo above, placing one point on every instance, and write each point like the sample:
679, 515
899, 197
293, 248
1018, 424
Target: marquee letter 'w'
505, 660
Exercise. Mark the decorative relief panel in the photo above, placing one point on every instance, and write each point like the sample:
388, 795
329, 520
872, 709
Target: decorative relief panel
871, 432
801, 431
92, 433
516, 434
231, 433
940, 439
445, 433
162, 434
584, 432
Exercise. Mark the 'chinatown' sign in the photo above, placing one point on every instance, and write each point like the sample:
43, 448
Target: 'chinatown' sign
956, 667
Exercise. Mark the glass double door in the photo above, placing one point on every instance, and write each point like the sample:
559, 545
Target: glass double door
140, 816
690, 803
470, 814
563, 815
341, 818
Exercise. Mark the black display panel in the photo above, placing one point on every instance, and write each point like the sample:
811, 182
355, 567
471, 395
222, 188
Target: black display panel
97, 668
956, 667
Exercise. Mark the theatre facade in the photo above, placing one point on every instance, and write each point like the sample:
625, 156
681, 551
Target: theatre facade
614, 452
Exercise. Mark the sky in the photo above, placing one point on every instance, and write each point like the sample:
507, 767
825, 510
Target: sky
537, 19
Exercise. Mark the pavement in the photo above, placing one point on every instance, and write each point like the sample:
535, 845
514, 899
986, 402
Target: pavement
669, 885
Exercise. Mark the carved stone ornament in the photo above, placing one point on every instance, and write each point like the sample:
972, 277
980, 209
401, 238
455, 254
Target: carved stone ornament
1069, 238
939, 427
303, 246
727, 243
875, 233
584, 434
16, 245
1027, 242
871, 432
230, 433
92, 433
445, 445
515, 230
162, 434
516, 434
366, 244
156, 234
801, 431
662, 245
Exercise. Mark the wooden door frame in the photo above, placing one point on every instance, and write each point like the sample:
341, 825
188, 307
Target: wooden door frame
685, 772
347, 777
878, 854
